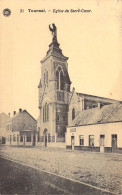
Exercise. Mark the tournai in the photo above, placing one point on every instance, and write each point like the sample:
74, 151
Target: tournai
67, 118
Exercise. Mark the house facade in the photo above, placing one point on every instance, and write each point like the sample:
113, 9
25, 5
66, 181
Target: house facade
97, 129
21, 129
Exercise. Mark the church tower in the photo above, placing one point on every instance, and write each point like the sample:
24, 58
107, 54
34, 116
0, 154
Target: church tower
54, 93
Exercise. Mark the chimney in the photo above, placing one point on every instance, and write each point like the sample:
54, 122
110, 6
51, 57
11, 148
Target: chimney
14, 113
9, 114
20, 110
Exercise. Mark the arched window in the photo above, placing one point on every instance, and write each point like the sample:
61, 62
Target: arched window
73, 113
60, 79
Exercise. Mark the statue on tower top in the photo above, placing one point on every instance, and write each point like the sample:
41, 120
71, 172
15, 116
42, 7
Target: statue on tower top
54, 32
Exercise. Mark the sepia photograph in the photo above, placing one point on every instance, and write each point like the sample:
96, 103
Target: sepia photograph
61, 97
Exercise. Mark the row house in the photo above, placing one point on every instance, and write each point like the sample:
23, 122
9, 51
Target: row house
21, 129
96, 129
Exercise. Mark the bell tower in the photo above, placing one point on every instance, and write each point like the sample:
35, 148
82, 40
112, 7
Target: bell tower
54, 93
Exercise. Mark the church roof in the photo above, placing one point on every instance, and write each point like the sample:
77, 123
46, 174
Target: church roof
67, 79
106, 114
97, 98
55, 51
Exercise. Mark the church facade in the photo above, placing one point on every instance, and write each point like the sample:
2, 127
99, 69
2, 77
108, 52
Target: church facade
59, 106
54, 93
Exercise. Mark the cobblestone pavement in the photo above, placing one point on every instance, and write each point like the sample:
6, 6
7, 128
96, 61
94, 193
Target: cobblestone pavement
101, 170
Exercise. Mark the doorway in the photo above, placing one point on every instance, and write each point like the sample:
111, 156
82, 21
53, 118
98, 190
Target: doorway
72, 142
114, 141
102, 140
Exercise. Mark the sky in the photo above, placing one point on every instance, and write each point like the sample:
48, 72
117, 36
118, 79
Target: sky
92, 41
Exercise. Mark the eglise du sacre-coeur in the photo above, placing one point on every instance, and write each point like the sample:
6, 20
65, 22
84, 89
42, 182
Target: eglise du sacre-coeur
58, 105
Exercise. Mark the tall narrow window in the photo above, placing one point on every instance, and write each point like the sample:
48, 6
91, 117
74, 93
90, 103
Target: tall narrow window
43, 114
48, 112
47, 78
91, 140
44, 78
114, 140
73, 113
81, 139
61, 81
57, 78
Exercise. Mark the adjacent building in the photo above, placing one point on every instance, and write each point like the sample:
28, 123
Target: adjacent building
3, 120
96, 129
21, 129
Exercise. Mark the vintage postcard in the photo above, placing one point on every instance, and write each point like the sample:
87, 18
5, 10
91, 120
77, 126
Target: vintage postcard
60, 97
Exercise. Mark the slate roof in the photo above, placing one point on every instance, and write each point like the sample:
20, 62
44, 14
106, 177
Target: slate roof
18, 113
97, 98
14, 116
108, 113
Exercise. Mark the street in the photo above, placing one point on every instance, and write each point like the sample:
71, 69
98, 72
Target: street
19, 179
58, 171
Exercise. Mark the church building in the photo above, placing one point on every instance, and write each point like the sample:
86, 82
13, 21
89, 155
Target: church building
54, 93
59, 106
